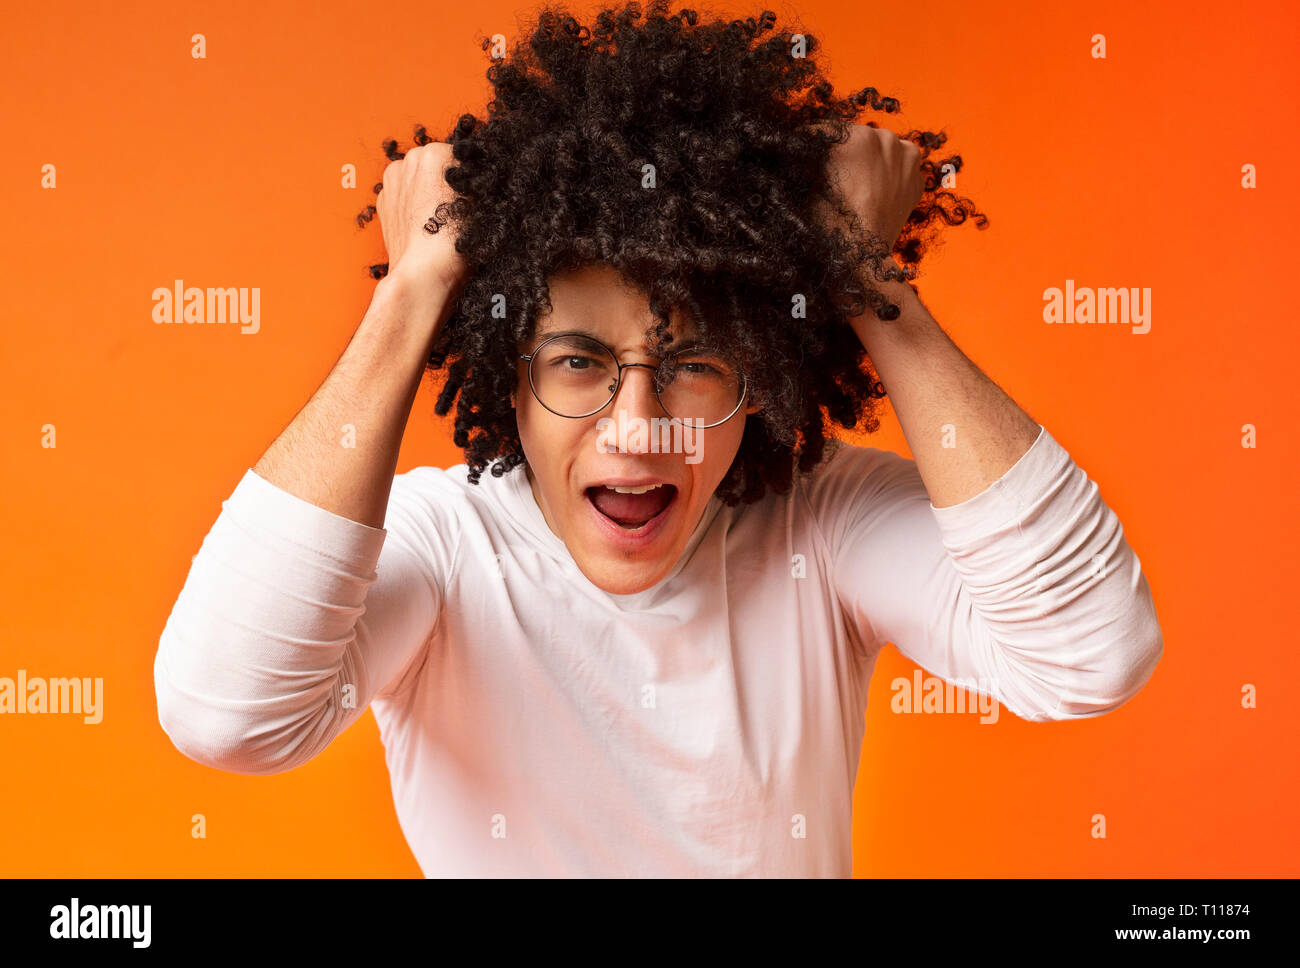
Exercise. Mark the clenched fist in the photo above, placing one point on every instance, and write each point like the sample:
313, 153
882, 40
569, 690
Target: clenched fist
413, 187
879, 176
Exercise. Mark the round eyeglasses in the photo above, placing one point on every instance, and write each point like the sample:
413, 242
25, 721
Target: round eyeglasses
573, 375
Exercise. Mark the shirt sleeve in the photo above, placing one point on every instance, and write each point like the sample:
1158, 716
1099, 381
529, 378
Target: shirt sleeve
293, 618
1027, 592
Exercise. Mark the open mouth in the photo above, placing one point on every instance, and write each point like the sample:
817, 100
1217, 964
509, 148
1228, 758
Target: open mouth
632, 508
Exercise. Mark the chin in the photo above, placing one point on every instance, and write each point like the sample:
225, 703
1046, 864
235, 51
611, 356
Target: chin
625, 578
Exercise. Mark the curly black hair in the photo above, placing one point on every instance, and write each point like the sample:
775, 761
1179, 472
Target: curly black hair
738, 123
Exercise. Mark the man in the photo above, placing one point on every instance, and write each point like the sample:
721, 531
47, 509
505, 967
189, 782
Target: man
647, 649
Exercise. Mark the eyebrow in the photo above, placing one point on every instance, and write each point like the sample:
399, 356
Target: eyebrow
693, 342
542, 334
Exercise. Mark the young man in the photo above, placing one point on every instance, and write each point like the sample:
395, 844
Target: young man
642, 645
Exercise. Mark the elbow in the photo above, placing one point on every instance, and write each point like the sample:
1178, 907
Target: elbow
1115, 665
213, 739
1140, 656
1121, 645
224, 735
1138, 648
215, 749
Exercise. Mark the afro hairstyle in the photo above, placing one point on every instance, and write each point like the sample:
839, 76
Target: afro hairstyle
690, 155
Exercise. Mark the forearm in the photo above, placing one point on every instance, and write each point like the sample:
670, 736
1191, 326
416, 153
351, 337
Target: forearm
963, 430
371, 388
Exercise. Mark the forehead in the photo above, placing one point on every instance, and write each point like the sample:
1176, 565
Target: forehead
599, 302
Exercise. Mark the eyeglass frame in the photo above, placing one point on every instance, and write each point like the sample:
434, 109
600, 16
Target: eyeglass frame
618, 383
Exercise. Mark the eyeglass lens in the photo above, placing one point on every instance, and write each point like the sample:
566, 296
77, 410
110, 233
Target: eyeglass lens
575, 376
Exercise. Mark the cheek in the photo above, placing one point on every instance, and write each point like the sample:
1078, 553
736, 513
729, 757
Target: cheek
530, 417
551, 444
729, 443
532, 434
719, 452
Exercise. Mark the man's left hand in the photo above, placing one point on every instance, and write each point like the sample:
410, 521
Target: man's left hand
878, 175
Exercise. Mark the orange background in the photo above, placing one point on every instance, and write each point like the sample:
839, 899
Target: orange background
226, 172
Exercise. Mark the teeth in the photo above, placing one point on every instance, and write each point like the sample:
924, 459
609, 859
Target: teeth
634, 490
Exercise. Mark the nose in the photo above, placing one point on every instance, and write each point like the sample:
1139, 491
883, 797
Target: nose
640, 400
636, 399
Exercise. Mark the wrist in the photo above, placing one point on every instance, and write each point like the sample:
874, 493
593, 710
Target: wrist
413, 307
425, 279
913, 322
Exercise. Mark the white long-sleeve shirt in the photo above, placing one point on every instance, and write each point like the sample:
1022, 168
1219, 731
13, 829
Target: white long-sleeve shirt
534, 724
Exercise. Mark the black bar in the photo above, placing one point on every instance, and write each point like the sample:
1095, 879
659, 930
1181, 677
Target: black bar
329, 918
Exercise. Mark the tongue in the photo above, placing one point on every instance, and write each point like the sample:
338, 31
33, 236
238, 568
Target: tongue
633, 509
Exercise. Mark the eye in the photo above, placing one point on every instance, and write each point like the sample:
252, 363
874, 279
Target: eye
698, 367
565, 361
701, 365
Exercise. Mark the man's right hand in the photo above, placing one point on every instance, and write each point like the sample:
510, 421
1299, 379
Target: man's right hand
413, 187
